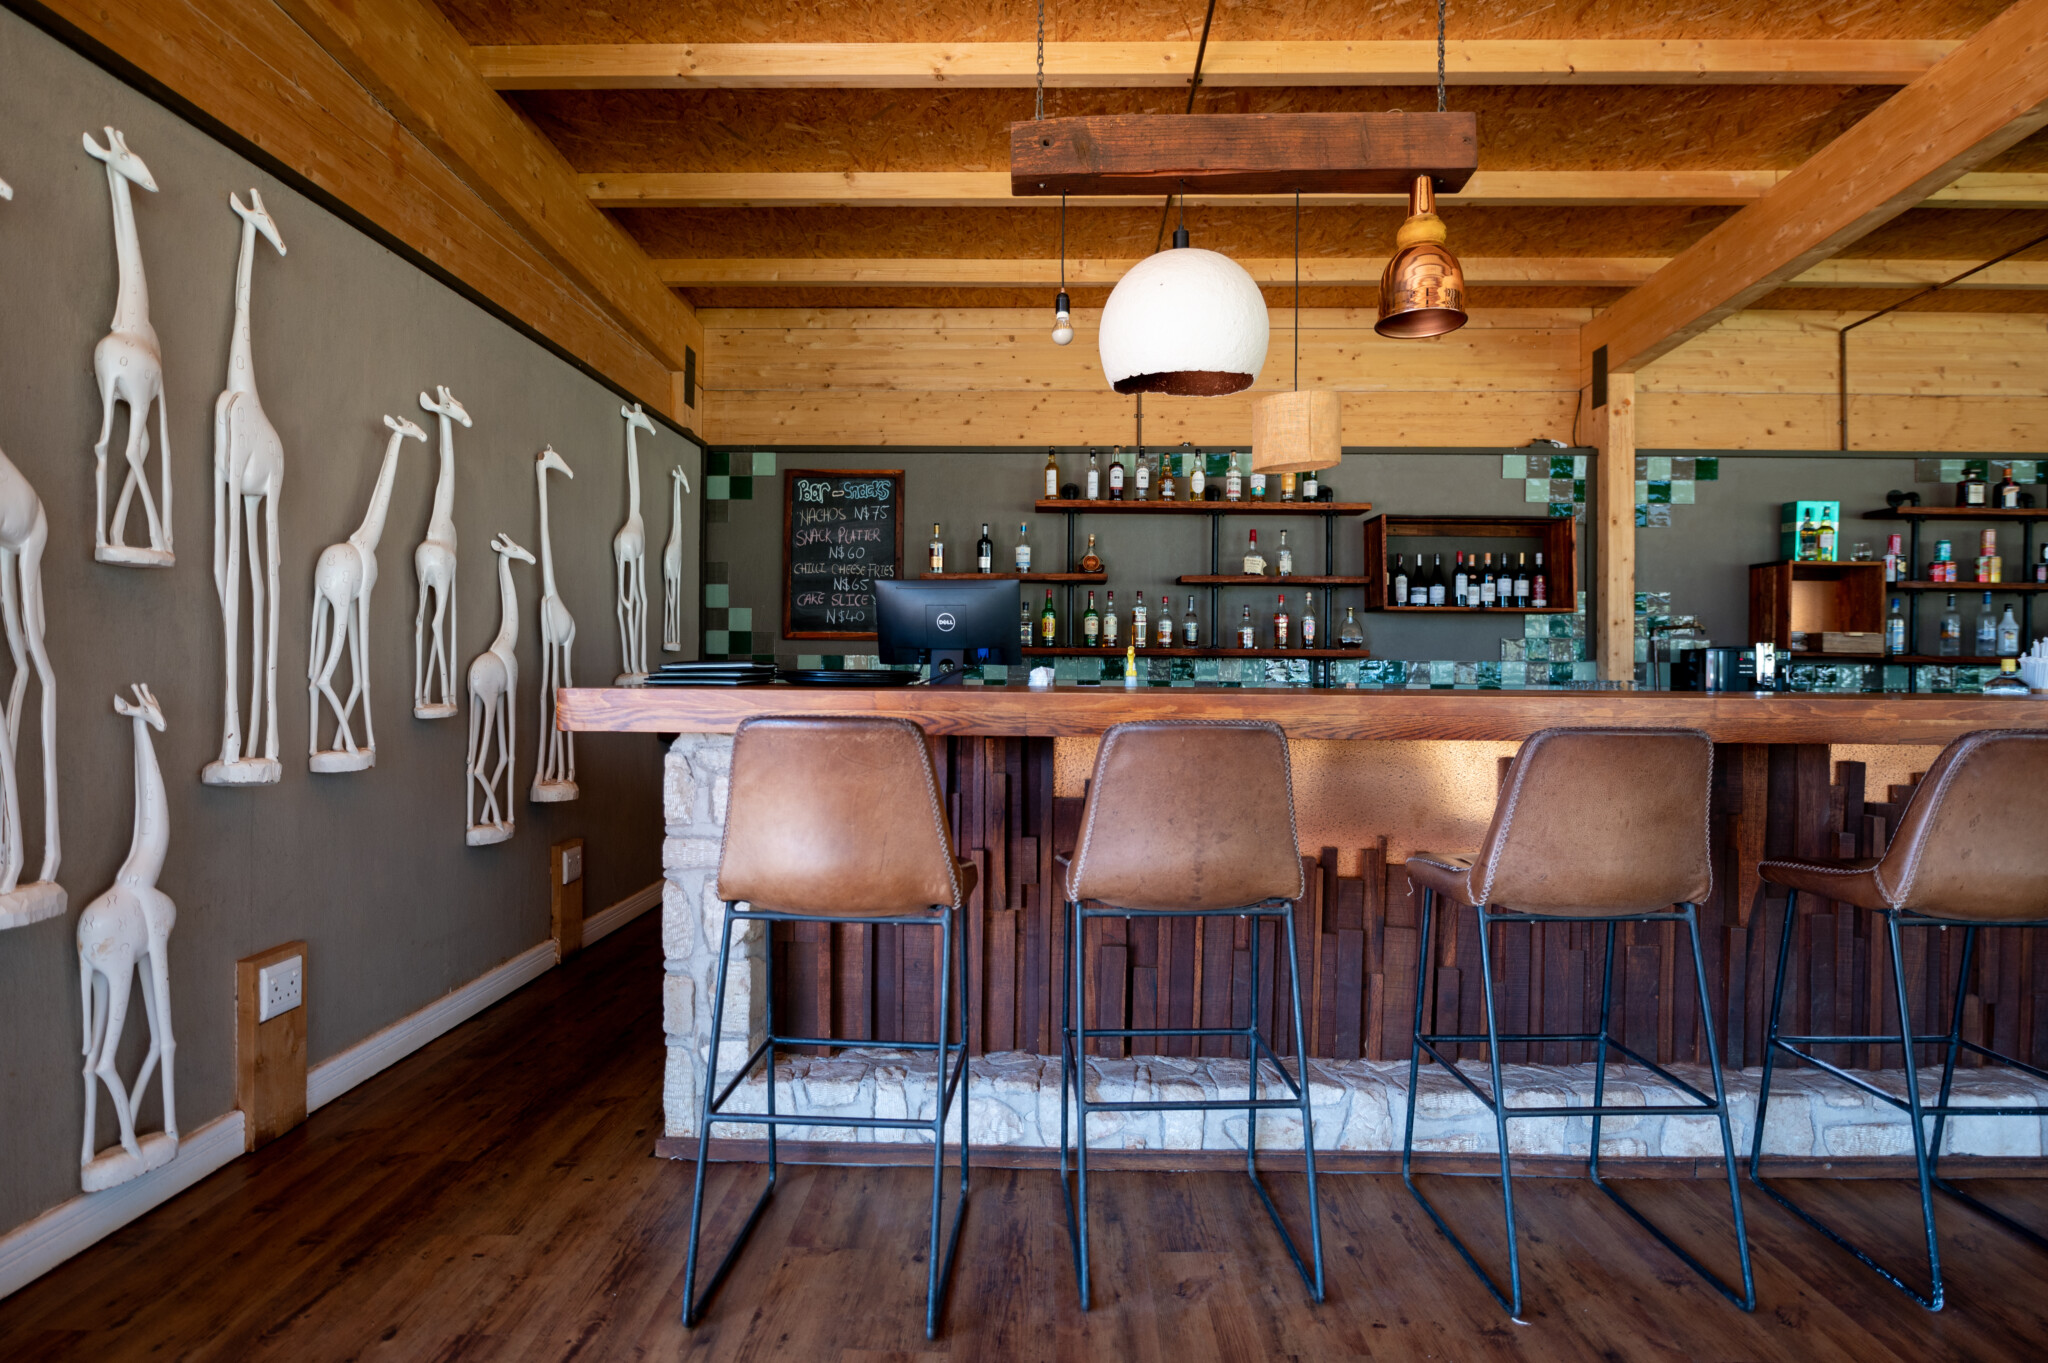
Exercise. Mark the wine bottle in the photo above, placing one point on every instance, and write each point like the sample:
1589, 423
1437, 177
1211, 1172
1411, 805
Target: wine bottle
937, 551
1399, 595
1522, 581
1461, 583
1116, 475
1539, 586
1254, 561
1895, 630
1027, 628
1489, 585
1439, 583
1310, 488
1091, 624
985, 552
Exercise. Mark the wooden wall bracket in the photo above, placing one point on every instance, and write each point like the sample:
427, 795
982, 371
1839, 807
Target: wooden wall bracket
270, 1057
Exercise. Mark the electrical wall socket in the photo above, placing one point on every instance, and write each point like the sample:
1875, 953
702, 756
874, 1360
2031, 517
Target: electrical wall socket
572, 865
280, 988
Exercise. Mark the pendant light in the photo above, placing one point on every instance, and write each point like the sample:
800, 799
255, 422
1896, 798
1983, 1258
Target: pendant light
1062, 308
1184, 321
1296, 432
1422, 293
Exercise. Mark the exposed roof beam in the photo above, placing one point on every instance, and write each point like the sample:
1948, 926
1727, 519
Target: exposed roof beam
417, 66
1316, 271
1986, 95
1563, 61
1487, 188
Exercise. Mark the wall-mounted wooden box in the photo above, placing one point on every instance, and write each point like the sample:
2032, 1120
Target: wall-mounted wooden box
1556, 537
1814, 599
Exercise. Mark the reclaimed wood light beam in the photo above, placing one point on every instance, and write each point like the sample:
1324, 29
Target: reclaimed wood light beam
1348, 153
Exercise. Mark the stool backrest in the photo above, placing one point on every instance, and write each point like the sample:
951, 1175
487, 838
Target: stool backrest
1600, 821
834, 815
1973, 841
1188, 814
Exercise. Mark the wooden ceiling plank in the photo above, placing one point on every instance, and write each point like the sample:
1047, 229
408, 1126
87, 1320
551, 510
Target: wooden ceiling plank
1487, 188
414, 62
881, 66
1988, 94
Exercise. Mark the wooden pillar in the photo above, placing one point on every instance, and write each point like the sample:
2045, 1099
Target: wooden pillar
1613, 515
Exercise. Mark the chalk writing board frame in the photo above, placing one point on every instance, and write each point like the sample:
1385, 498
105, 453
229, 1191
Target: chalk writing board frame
893, 476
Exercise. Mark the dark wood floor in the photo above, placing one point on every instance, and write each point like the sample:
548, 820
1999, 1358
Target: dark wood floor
493, 1197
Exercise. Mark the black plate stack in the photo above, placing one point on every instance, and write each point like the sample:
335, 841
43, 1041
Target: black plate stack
712, 674
819, 676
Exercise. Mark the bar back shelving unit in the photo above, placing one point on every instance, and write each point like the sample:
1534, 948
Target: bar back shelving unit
1557, 537
2027, 591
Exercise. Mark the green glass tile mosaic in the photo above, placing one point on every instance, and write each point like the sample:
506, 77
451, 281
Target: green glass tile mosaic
1660, 468
764, 463
717, 463
1642, 491
1642, 514
1657, 516
1560, 490
812, 662
1563, 510
742, 641
1682, 466
1706, 468
1655, 492
1642, 467
1514, 466
739, 617
716, 643
1682, 491
1514, 674
1560, 466
741, 488
717, 487
1579, 487
1535, 489
716, 595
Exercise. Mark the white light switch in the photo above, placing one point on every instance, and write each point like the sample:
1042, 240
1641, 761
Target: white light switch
572, 865
280, 988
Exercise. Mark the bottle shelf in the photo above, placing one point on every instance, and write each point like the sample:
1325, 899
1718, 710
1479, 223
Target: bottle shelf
1958, 513
1244, 580
1905, 659
1083, 651
1015, 577
1960, 587
1159, 508
1476, 610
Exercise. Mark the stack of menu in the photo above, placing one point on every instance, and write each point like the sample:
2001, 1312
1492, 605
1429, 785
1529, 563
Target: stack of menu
735, 673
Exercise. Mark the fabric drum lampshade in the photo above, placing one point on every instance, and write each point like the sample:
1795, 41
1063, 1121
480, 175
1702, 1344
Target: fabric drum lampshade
1187, 322
1296, 432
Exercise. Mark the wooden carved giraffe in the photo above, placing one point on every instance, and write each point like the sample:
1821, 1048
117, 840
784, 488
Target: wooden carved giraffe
554, 775
434, 563
129, 365
493, 694
629, 555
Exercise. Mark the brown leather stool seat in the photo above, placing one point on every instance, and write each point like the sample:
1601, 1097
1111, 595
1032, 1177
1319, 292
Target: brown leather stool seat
1186, 818
837, 819
1970, 851
1592, 825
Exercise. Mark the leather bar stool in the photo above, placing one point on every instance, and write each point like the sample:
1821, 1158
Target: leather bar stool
837, 820
1970, 852
1591, 826
1186, 819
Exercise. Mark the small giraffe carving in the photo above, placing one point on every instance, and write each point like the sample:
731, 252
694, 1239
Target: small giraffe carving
629, 554
672, 565
129, 365
493, 692
434, 563
554, 775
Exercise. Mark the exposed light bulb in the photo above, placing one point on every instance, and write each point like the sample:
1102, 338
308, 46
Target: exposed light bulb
1062, 320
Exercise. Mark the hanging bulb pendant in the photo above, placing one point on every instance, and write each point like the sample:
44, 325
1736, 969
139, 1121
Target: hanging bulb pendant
1422, 293
1062, 320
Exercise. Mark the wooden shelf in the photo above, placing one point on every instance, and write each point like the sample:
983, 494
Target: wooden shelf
1958, 513
1241, 580
1556, 536
1910, 659
1159, 508
1475, 610
1015, 577
1917, 586
1081, 651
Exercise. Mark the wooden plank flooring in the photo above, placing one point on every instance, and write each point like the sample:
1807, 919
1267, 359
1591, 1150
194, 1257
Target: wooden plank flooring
493, 1198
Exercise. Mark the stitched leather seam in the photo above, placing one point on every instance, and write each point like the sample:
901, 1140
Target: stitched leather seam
931, 785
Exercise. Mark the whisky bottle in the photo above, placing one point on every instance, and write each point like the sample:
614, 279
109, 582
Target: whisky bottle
1308, 619
1023, 548
1258, 487
1351, 634
1245, 636
1310, 488
1141, 475
1027, 628
1233, 481
1895, 630
1198, 476
1254, 561
1439, 583
1109, 629
1166, 477
1461, 583
1089, 562
1951, 630
1399, 595
1287, 486
1522, 581
1094, 490
1164, 632
1116, 475
1827, 538
1138, 635
1280, 622
937, 551
1091, 624
1190, 631
1052, 476
1285, 558
1809, 540
1048, 623
984, 552
1539, 586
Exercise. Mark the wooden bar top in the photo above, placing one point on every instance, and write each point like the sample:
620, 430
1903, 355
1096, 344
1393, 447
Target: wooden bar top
1509, 716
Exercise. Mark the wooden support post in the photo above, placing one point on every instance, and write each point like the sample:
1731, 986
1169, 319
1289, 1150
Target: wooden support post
1613, 576
270, 1057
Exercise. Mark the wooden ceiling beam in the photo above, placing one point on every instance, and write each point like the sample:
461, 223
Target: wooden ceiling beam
1316, 272
881, 66
1988, 94
407, 55
1487, 188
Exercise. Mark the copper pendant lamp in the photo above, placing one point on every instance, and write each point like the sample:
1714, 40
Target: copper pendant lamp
1422, 292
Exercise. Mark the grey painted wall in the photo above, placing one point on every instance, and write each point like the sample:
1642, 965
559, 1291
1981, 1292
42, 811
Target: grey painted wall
369, 868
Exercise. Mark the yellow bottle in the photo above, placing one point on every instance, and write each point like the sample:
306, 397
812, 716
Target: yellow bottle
1130, 664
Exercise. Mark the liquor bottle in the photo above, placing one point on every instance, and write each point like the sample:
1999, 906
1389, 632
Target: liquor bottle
1350, 634
1027, 628
1109, 628
1090, 563
1539, 586
1489, 585
1052, 476
1023, 548
1399, 596
1829, 536
1166, 477
1310, 488
1987, 632
1138, 636
2041, 568
1895, 630
1460, 583
2008, 636
937, 550
1951, 630
1091, 624
1522, 581
1141, 475
1116, 475
1048, 622
1258, 487
1280, 622
1233, 481
1190, 630
1285, 557
1972, 489
1094, 490
1245, 636
1287, 487
985, 551
2008, 497
1439, 582
1809, 539
1198, 476
1254, 561
1308, 619
1164, 633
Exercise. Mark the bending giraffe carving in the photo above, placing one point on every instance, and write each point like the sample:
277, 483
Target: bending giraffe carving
434, 564
493, 694
554, 773
129, 365
248, 467
342, 582
629, 556
672, 565
125, 931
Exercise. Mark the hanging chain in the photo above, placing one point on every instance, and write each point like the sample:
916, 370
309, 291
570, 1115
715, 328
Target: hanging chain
1439, 51
1040, 114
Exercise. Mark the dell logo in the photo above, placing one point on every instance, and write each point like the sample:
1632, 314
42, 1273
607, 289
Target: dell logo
944, 620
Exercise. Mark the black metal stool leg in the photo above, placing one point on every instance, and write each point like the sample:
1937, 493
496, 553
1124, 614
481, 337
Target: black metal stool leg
1251, 1050
1699, 970
938, 1271
1500, 1118
1933, 1301
1078, 1216
1600, 1053
1763, 1092
1308, 1126
1948, 1062
1422, 951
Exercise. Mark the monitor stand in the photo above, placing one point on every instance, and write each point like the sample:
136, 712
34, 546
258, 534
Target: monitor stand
949, 667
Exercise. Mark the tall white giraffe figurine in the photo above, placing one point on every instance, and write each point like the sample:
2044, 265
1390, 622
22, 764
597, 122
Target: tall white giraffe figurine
629, 555
672, 565
129, 364
434, 564
248, 466
554, 772
493, 721
342, 582
125, 931
24, 530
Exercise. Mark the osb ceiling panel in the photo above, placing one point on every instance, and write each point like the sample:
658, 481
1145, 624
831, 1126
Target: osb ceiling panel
1942, 234
788, 21
1041, 299
1530, 127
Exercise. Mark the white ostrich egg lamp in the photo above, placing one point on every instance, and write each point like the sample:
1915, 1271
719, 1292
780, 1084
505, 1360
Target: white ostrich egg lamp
1184, 321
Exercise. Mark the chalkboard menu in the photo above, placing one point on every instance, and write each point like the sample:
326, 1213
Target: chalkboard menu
841, 529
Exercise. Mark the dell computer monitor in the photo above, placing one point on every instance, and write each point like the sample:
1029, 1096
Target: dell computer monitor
948, 623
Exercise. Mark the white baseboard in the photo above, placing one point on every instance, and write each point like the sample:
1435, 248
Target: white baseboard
34, 1248
618, 915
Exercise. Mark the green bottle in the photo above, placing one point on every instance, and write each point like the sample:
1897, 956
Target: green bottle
1048, 623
